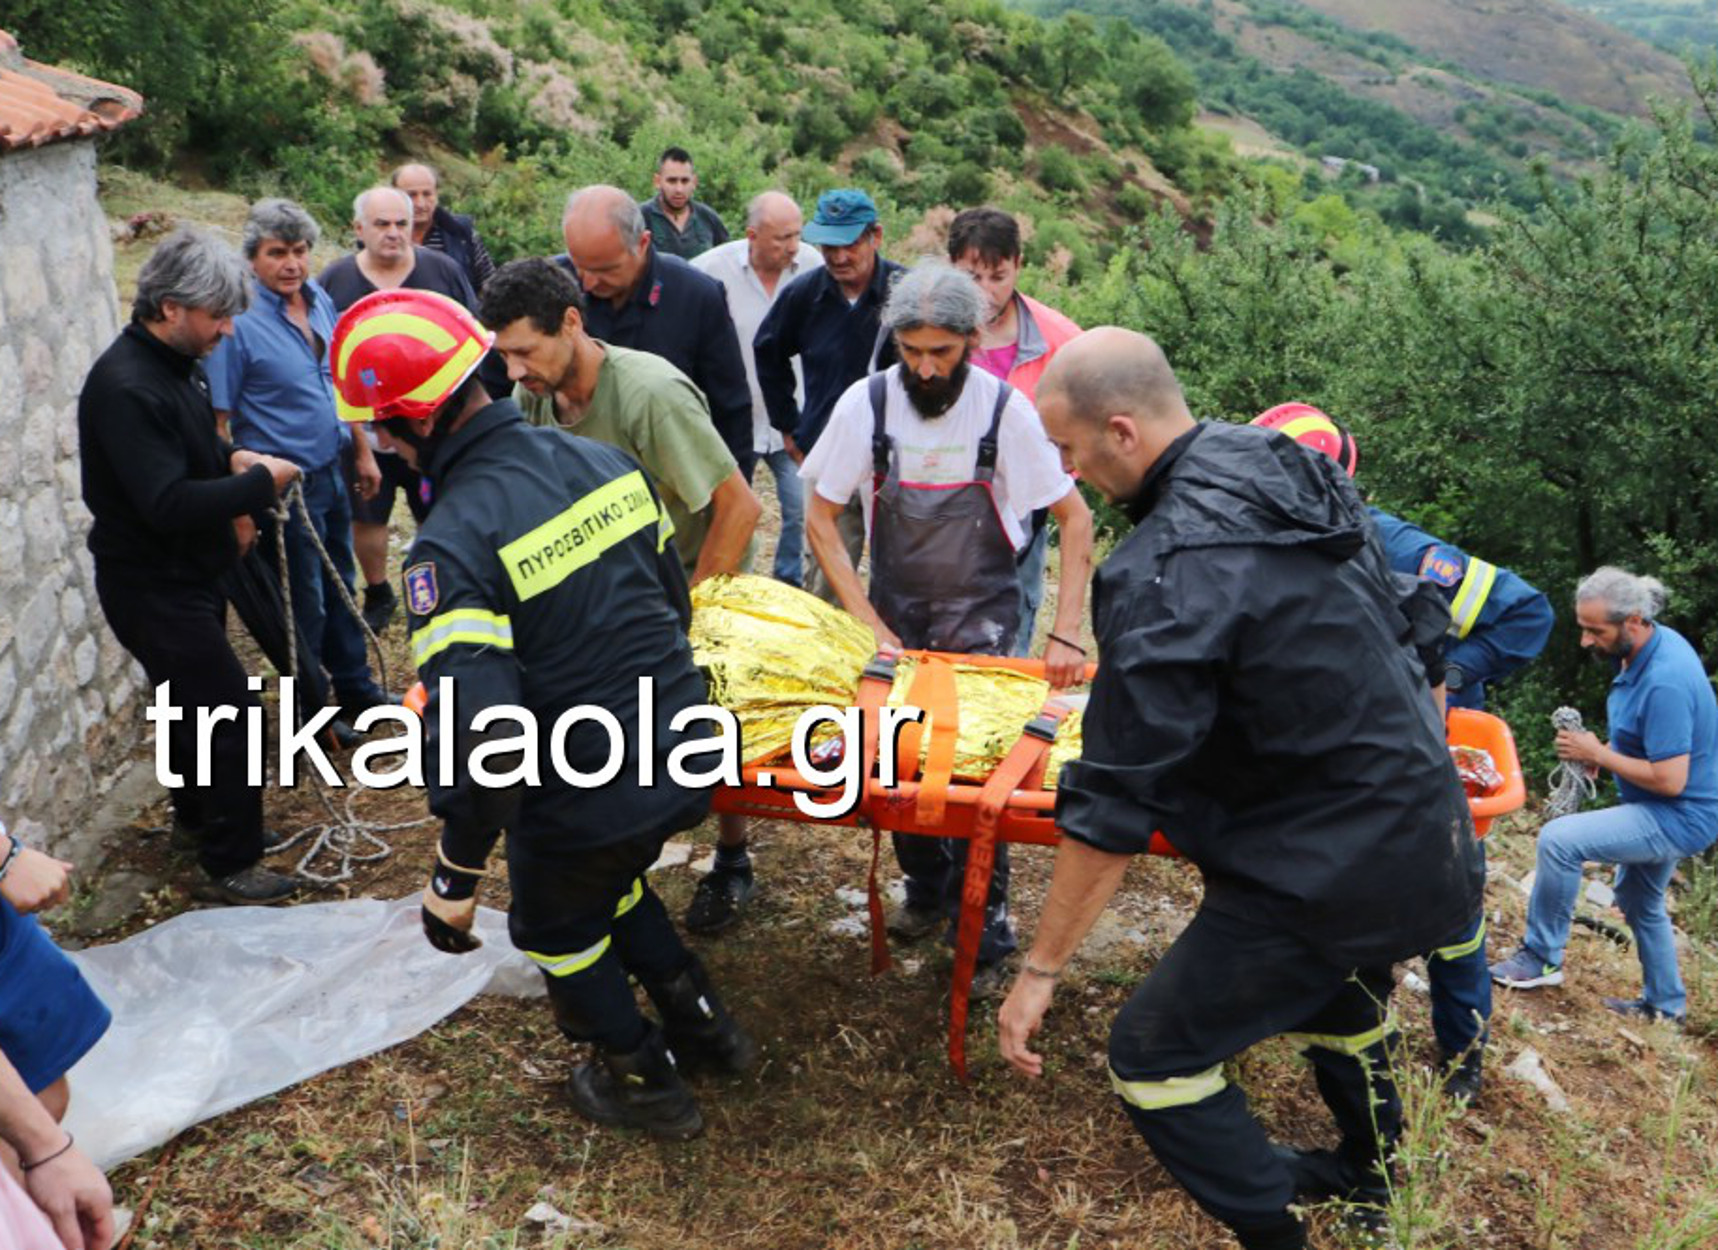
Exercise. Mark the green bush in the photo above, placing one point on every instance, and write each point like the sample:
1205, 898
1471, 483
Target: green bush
1060, 170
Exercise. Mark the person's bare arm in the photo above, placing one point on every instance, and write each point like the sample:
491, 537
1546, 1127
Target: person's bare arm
59, 1178
1081, 886
838, 570
1668, 777
1065, 664
734, 512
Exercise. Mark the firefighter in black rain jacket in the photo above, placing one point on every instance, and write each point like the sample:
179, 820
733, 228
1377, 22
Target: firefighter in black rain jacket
1258, 701
543, 579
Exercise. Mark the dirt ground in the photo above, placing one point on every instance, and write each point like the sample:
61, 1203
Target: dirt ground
853, 1134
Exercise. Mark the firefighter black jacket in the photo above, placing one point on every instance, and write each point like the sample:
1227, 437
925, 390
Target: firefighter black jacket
543, 580
1258, 699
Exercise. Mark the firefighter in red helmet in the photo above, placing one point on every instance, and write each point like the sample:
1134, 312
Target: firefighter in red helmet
543, 579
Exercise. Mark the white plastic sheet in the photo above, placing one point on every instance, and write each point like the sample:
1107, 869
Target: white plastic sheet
215, 1009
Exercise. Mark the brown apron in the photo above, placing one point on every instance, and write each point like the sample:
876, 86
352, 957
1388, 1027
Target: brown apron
943, 574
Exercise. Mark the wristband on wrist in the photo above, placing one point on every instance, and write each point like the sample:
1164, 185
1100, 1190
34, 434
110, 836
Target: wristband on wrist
1032, 970
1067, 642
11, 854
30, 1167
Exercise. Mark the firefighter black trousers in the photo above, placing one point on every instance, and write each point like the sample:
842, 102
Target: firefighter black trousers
590, 920
1224, 985
178, 632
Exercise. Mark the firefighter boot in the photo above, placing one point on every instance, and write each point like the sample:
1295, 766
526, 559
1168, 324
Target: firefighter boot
637, 1089
703, 1035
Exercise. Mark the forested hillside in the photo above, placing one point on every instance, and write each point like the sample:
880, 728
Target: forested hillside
1672, 24
948, 102
1445, 137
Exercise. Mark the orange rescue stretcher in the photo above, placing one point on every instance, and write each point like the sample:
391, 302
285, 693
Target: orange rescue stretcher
1011, 805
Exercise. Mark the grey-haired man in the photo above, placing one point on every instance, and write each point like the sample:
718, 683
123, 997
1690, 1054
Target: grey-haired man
270, 381
165, 493
944, 460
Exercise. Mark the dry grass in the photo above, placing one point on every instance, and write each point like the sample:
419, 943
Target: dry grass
853, 1135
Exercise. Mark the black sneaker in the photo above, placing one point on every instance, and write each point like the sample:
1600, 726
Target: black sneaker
1640, 1009
380, 605
720, 900
253, 885
991, 981
186, 839
1464, 1077
340, 736
909, 923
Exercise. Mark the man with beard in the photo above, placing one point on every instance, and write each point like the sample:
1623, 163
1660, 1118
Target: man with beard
1664, 753
678, 224
945, 460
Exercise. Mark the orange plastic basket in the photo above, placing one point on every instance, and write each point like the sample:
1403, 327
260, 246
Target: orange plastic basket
1468, 728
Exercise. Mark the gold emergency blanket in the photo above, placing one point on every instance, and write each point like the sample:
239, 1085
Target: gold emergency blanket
773, 651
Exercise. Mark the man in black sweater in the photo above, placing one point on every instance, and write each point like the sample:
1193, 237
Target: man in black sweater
168, 497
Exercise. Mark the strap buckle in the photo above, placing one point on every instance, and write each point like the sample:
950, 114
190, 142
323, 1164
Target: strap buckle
1043, 726
880, 668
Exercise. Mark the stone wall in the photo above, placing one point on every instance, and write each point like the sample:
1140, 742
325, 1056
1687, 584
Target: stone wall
68, 692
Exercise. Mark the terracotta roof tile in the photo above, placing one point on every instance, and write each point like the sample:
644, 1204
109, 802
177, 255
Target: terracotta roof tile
40, 104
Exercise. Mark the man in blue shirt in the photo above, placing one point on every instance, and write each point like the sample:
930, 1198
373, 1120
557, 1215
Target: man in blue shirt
639, 297
271, 387
831, 321
1664, 752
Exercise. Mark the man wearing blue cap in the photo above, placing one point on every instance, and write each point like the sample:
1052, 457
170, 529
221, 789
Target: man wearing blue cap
830, 319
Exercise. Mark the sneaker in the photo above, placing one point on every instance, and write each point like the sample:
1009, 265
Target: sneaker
185, 838
909, 923
992, 980
720, 900
255, 884
1526, 971
1640, 1009
342, 737
1464, 1076
380, 605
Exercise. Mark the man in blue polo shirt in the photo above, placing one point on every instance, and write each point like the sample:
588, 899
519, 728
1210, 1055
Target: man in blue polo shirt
1664, 752
638, 297
831, 321
271, 386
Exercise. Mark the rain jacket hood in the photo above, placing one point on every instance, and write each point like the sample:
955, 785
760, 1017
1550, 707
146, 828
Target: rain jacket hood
1259, 701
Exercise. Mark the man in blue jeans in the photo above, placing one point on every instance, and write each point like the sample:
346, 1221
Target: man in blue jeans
270, 384
1664, 752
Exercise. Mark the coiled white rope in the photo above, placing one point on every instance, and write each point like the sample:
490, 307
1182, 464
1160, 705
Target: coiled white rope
343, 837
1571, 783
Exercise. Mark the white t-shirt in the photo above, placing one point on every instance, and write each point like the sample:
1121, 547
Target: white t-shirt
940, 450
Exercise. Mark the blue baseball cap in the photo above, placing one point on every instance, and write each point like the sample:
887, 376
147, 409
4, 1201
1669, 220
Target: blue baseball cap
842, 216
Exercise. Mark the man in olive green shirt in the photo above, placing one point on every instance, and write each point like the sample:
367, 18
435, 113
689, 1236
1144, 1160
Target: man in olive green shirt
643, 405
632, 400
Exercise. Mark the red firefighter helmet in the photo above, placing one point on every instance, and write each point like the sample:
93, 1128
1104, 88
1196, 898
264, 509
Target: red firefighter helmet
1311, 428
402, 354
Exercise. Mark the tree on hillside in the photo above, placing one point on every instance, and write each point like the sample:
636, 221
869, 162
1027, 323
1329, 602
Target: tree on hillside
1546, 401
